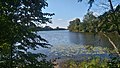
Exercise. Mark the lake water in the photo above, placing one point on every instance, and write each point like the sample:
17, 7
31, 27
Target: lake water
71, 44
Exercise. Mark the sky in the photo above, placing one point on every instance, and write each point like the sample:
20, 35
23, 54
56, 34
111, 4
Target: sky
67, 10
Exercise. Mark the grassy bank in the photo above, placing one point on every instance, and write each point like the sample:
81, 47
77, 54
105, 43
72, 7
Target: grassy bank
95, 62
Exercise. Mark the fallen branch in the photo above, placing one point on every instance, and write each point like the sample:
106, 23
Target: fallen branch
116, 49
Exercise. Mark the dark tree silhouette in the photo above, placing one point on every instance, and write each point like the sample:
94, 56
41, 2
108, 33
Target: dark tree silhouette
18, 22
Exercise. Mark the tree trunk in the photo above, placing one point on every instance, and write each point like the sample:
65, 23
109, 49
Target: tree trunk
111, 6
116, 49
11, 54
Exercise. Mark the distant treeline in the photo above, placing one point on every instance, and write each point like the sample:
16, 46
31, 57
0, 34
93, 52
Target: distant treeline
107, 22
47, 28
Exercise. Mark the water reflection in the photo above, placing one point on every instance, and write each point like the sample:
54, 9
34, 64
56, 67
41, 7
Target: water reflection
89, 39
67, 43
76, 38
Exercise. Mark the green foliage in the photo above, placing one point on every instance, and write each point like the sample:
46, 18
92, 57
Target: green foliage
114, 62
87, 25
93, 63
18, 23
108, 22
74, 25
112, 13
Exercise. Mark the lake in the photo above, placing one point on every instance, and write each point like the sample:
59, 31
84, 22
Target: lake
74, 45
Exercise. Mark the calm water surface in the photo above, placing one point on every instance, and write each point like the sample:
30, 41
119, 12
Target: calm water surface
69, 44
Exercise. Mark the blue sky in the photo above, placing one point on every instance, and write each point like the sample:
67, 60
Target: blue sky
66, 10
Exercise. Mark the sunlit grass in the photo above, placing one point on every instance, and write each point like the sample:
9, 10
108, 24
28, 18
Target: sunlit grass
96, 62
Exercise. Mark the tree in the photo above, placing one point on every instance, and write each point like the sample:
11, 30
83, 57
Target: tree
114, 20
112, 15
92, 1
88, 21
18, 22
87, 25
74, 25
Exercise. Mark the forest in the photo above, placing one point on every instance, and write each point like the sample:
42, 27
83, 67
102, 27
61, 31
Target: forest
107, 22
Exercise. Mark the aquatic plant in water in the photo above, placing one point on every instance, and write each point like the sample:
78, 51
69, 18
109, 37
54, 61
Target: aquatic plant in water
73, 50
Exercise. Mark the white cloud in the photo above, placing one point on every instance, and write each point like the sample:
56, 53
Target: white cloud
58, 23
59, 19
96, 13
115, 6
63, 23
81, 18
